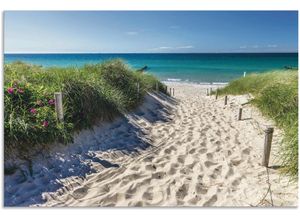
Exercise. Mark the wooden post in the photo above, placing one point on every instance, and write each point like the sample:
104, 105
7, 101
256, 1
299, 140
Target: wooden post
138, 89
170, 91
156, 86
267, 146
173, 91
225, 100
217, 94
240, 114
210, 91
166, 89
207, 92
59, 106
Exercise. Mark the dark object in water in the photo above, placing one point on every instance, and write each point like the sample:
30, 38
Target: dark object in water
290, 68
143, 69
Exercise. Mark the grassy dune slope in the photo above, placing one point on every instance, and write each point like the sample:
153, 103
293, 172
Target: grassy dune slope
91, 94
276, 95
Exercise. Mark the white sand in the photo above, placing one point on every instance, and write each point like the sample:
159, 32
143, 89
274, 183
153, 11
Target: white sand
189, 151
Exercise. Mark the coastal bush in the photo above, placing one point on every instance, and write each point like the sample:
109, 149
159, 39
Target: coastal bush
91, 94
276, 95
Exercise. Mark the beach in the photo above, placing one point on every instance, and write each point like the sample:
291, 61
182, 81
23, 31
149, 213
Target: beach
185, 150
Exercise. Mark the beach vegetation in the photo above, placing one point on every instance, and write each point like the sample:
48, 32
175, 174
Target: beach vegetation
91, 94
276, 96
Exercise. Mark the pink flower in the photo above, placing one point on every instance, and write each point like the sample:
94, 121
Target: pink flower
33, 111
10, 90
20, 91
51, 102
45, 124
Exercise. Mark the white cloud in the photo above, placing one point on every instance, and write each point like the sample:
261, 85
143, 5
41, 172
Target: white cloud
185, 47
162, 48
173, 48
131, 33
257, 46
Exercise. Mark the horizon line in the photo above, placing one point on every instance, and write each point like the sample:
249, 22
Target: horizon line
7, 53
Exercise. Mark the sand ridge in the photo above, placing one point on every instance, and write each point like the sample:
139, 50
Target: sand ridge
200, 156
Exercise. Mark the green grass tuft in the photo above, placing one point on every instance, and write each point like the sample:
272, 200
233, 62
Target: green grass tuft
276, 95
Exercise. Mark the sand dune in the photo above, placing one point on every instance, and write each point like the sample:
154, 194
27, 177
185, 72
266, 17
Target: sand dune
189, 150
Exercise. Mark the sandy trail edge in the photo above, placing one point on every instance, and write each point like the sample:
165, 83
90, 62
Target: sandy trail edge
199, 155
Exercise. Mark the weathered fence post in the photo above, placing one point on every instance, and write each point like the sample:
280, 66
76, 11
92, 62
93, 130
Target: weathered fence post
138, 89
170, 91
207, 92
156, 86
217, 94
210, 91
267, 146
173, 91
59, 106
240, 114
225, 100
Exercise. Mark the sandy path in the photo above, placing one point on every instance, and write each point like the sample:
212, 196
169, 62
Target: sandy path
200, 156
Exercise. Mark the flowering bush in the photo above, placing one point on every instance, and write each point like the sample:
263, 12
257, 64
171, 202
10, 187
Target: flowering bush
90, 95
27, 121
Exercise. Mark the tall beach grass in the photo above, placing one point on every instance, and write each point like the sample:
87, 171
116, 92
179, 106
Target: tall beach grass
276, 95
91, 94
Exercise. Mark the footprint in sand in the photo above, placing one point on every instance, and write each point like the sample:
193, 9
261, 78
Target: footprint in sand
110, 200
147, 195
209, 156
192, 151
211, 201
236, 162
182, 192
201, 189
202, 150
181, 158
236, 182
80, 192
246, 151
209, 164
169, 150
158, 175
194, 200
218, 170
172, 171
131, 191
229, 173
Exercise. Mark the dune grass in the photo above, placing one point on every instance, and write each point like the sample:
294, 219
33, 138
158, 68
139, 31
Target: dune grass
91, 94
276, 95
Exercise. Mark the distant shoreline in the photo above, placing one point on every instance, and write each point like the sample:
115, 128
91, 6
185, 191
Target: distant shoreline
31, 53
191, 67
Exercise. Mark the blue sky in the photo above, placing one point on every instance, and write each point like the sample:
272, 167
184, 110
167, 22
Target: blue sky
150, 32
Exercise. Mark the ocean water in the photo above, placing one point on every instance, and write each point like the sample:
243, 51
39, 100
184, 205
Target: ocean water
201, 68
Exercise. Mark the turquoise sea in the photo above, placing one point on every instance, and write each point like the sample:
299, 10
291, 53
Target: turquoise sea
201, 68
